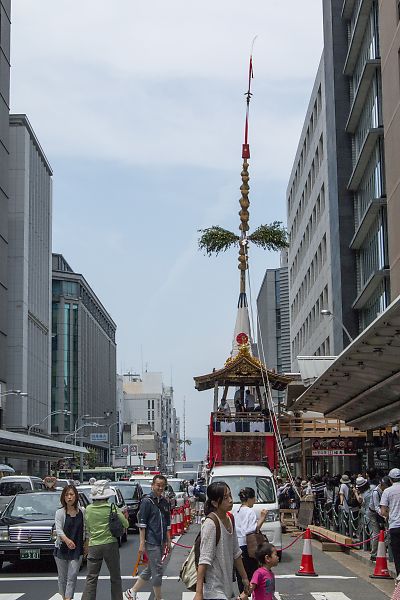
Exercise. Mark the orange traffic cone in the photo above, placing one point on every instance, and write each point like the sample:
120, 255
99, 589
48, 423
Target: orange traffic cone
381, 567
307, 567
180, 521
173, 523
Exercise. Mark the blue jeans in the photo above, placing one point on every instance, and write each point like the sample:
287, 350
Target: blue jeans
67, 575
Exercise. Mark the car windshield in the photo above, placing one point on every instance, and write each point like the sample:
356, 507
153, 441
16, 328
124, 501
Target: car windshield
33, 507
129, 492
263, 487
10, 488
143, 481
177, 486
146, 487
188, 475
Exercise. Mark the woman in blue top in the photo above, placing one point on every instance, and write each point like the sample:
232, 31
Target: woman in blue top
70, 541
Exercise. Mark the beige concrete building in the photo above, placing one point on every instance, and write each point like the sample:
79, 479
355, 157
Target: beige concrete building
389, 30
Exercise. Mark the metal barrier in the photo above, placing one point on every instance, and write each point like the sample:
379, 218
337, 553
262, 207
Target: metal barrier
353, 523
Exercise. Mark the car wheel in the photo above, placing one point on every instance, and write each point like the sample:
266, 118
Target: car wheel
1, 563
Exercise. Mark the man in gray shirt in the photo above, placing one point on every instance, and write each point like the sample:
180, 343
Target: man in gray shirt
390, 508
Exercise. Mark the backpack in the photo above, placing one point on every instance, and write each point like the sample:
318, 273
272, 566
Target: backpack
352, 501
188, 572
115, 525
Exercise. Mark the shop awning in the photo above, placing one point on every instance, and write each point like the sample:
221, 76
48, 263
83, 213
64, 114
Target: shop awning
362, 386
21, 445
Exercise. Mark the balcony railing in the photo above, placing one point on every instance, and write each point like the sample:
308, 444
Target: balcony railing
242, 422
317, 427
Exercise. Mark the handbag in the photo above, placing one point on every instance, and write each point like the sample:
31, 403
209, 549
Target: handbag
115, 525
253, 540
188, 574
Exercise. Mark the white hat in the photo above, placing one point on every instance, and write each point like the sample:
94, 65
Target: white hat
394, 473
360, 482
101, 490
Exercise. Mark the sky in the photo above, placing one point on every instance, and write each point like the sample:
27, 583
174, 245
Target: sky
139, 108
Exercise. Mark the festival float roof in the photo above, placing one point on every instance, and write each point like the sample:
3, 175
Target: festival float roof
242, 370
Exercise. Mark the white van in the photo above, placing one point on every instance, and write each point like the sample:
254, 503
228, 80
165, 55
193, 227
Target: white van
262, 481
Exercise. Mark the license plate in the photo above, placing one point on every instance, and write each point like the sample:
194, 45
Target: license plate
29, 553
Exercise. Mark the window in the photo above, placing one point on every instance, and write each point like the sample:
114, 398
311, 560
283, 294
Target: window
263, 487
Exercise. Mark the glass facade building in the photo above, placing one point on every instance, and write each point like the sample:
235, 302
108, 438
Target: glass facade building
367, 182
83, 369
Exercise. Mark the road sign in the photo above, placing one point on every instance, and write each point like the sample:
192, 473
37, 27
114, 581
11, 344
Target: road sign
124, 449
133, 450
99, 437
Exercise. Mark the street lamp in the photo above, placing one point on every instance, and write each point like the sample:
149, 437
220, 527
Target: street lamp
328, 313
54, 412
16, 392
73, 433
109, 442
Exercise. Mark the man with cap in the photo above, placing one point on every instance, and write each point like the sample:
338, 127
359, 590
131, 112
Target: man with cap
390, 508
102, 544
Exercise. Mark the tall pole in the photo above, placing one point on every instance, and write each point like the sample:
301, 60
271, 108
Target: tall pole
244, 188
184, 427
81, 463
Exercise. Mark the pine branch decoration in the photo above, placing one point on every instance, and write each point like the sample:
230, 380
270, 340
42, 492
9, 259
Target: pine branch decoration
215, 239
270, 237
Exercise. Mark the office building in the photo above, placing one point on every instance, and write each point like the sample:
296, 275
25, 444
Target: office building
29, 280
83, 375
5, 8
273, 323
389, 41
148, 400
338, 256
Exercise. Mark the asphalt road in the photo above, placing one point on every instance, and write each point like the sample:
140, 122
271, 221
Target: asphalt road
340, 577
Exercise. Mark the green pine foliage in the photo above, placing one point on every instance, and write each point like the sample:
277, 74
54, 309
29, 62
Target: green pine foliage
215, 239
270, 237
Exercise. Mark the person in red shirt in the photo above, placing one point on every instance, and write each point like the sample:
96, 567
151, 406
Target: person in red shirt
262, 583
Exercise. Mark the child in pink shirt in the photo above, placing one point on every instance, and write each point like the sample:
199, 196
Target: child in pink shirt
262, 583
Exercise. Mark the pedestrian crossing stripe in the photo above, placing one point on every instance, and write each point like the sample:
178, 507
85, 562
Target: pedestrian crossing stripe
58, 597
10, 596
329, 596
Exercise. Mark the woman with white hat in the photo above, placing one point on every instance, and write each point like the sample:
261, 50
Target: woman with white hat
102, 544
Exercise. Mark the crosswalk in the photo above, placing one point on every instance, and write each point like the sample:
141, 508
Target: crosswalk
190, 596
